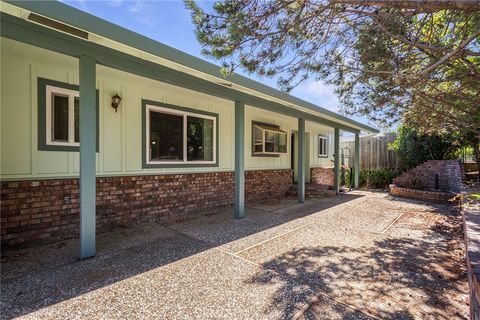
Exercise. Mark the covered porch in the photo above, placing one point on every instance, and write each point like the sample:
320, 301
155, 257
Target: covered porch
242, 92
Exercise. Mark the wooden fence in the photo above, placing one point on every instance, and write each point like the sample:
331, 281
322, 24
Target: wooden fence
374, 153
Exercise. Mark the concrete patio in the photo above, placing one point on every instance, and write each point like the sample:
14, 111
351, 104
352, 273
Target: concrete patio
362, 255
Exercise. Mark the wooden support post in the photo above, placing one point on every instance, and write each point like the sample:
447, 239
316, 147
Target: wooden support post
239, 159
336, 161
88, 140
356, 168
301, 161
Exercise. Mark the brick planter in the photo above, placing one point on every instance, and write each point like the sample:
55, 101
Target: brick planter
444, 175
426, 195
43, 211
322, 176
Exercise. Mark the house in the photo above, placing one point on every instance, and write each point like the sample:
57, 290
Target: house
103, 127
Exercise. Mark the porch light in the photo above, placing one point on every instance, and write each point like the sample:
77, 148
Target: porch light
116, 101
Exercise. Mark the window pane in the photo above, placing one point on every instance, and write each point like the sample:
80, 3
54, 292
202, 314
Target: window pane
269, 141
166, 137
199, 139
76, 118
269, 136
258, 147
282, 143
258, 135
60, 118
322, 146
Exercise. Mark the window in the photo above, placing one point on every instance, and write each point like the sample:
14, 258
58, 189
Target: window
322, 146
177, 135
62, 117
59, 116
268, 140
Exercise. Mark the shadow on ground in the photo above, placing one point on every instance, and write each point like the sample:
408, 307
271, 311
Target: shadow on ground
396, 278
56, 276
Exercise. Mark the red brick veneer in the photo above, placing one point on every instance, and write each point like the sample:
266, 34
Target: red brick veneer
48, 210
262, 184
322, 176
434, 196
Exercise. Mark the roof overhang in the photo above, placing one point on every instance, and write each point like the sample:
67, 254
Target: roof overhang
108, 35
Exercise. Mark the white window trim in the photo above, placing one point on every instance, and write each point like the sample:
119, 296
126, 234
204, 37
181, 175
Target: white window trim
264, 140
71, 94
325, 138
184, 114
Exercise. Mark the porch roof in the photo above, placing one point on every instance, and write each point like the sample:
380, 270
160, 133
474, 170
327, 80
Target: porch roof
110, 35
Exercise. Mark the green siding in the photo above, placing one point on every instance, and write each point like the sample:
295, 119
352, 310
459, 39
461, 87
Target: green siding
120, 134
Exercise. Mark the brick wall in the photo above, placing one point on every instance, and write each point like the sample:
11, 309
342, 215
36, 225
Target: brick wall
425, 195
322, 176
471, 224
267, 183
449, 175
34, 212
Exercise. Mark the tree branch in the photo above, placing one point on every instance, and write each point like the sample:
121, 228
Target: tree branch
417, 5
425, 72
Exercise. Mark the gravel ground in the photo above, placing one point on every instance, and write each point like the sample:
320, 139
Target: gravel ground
363, 255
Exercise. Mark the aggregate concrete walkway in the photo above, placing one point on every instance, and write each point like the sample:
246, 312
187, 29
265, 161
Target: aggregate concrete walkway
363, 255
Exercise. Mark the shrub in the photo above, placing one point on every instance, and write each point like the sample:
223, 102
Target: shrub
373, 179
414, 148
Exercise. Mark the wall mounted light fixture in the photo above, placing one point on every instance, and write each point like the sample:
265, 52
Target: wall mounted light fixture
116, 101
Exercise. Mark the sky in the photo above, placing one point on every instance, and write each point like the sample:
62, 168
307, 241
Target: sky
169, 22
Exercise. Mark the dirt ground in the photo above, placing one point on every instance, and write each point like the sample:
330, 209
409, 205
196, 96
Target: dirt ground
362, 255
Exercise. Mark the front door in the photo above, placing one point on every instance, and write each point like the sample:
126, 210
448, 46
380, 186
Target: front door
294, 156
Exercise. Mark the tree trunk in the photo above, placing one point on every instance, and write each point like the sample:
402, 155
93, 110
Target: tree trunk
418, 5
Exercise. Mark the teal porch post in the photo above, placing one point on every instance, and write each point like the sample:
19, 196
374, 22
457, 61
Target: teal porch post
239, 159
356, 168
88, 131
301, 161
336, 161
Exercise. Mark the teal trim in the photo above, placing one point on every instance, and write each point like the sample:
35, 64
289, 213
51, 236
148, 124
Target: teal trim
318, 145
239, 159
88, 124
336, 160
301, 161
82, 20
191, 164
21, 30
42, 111
253, 139
356, 168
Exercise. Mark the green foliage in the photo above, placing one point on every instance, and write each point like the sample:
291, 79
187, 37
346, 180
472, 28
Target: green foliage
388, 62
373, 179
414, 148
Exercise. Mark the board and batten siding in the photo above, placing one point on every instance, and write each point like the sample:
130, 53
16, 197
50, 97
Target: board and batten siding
120, 141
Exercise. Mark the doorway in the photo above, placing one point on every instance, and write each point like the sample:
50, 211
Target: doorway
294, 156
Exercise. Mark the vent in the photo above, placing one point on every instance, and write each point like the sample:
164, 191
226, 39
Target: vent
58, 25
224, 84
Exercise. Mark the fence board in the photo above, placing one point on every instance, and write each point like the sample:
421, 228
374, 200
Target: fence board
374, 153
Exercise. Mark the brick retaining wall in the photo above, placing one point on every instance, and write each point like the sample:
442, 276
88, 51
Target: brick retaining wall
43, 211
448, 173
425, 195
322, 176
471, 223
